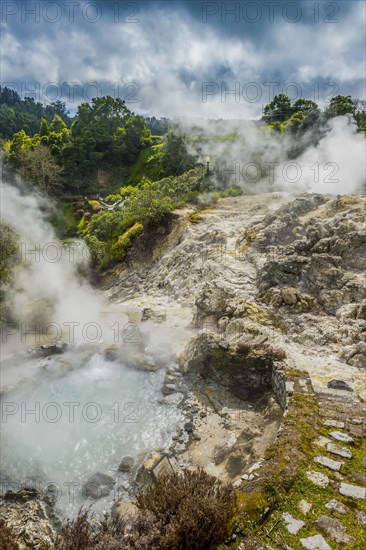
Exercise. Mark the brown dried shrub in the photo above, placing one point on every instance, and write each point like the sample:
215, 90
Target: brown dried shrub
191, 511
195, 509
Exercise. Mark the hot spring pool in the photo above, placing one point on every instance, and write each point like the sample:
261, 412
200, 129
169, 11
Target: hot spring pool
71, 425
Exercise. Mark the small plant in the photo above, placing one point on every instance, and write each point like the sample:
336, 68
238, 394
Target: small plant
233, 192
194, 217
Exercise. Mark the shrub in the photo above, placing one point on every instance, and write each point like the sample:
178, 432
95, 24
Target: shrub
195, 509
233, 192
128, 190
124, 241
84, 533
98, 251
110, 199
107, 232
192, 511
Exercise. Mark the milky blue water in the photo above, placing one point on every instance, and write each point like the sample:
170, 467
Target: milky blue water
74, 424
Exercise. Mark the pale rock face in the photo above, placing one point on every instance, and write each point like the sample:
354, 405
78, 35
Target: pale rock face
303, 267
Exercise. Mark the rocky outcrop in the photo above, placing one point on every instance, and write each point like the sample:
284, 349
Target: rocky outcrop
28, 519
248, 369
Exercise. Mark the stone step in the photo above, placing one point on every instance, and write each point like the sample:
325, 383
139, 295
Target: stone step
343, 437
339, 451
333, 423
316, 542
333, 529
293, 525
352, 491
317, 478
361, 517
329, 463
336, 506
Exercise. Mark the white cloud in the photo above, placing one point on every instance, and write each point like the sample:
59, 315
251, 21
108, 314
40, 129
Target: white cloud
169, 54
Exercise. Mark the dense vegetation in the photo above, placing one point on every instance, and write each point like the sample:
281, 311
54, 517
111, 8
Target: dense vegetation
26, 114
303, 114
116, 173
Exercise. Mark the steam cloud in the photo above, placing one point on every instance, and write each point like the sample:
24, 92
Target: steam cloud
47, 287
331, 161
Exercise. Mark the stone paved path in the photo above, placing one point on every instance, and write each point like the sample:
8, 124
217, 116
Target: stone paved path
334, 509
349, 419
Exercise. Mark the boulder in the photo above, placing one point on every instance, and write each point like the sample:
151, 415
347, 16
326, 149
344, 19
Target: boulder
98, 485
339, 385
126, 465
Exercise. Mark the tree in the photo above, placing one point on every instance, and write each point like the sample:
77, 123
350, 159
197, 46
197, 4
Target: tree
279, 109
25, 114
57, 125
360, 114
57, 108
340, 105
294, 123
101, 118
130, 139
18, 146
44, 128
306, 106
9, 96
40, 170
176, 158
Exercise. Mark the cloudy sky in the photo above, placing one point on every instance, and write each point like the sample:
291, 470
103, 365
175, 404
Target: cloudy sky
178, 58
